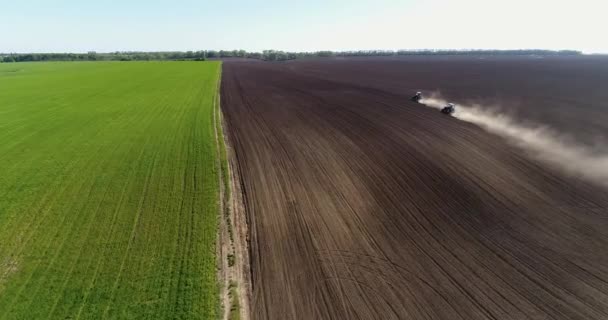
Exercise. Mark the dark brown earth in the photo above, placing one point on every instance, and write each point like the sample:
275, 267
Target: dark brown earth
363, 205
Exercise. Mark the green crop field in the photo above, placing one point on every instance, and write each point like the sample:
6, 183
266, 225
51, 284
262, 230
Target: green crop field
108, 190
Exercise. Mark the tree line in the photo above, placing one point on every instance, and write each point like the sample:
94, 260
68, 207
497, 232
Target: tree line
267, 55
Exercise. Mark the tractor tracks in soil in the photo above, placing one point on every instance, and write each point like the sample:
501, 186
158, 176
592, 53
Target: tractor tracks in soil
363, 205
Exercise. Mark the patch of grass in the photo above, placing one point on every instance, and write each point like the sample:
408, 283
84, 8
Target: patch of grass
223, 156
225, 168
235, 307
109, 190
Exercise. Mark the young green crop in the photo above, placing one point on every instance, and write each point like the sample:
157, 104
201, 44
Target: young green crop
108, 190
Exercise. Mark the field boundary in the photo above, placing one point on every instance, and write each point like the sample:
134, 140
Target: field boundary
232, 249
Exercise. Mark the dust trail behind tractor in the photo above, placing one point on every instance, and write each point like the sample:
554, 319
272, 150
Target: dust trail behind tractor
539, 140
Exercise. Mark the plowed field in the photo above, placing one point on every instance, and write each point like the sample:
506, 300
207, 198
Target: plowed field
363, 205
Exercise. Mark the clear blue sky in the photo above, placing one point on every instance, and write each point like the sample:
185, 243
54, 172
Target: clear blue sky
79, 26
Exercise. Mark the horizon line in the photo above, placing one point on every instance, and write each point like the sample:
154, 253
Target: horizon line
307, 51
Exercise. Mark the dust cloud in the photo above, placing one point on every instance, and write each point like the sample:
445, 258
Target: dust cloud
541, 141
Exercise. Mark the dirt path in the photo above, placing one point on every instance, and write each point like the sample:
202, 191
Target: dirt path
241, 272
232, 249
364, 206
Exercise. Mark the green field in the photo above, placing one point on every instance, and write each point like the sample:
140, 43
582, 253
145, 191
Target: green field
108, 190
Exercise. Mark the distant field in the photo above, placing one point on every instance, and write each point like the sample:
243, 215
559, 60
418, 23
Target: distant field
108, 190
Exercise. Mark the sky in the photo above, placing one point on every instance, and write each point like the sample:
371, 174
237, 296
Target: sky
312, 25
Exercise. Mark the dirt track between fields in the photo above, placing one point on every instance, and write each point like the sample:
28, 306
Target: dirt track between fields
362, 205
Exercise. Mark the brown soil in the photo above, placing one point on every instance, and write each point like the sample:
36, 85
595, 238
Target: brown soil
362, 205
232, 236
241, 270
